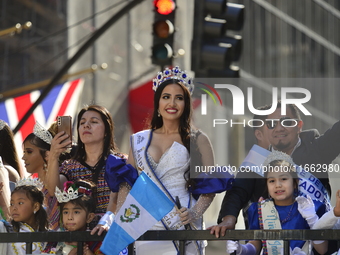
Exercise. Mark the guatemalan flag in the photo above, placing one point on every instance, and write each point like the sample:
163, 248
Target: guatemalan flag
62, 100
144, 206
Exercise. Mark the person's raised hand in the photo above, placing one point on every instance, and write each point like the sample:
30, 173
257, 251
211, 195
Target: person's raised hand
59, 144
306, 206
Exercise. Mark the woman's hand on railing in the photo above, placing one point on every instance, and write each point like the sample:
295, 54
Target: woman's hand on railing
100, 228
228, 222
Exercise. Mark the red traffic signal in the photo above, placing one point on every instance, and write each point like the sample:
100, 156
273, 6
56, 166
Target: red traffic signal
164, 7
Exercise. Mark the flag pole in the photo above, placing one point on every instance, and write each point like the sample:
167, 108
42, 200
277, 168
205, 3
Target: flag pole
43, 83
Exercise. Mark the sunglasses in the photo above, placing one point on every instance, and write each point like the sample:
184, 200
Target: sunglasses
285, 122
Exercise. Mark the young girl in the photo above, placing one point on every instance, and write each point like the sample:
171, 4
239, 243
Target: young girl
36, 147
28, 215
77, 207
279, 211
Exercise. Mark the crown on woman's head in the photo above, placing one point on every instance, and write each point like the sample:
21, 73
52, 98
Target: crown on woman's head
174, 73
30, 182
278, 155
71, 193
42, 133
2, 124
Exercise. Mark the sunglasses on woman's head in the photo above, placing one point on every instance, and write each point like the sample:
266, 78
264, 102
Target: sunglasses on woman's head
285, 122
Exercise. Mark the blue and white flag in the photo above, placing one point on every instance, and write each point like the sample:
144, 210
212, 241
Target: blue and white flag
144, 206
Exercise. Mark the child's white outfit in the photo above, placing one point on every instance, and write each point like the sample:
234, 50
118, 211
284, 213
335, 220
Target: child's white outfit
19, 248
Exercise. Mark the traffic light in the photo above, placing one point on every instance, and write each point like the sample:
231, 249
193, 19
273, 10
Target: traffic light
163, 32
213, 46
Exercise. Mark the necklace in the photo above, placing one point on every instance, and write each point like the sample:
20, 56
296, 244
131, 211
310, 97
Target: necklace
289, 214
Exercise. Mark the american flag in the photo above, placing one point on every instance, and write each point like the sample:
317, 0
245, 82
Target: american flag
62, 100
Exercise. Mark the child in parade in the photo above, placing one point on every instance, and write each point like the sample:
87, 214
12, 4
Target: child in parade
281, 210
77, 207
27, 214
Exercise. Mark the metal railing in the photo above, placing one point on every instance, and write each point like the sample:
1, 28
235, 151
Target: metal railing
180, 235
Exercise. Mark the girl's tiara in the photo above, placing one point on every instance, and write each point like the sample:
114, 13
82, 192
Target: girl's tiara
72, 192
30, 182
42, 133
2, 124
278, 155
174, 73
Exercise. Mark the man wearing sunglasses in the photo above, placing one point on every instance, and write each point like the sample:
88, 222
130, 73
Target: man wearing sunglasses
284, 133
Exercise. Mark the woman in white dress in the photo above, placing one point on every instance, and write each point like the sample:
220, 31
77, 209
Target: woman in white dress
165, 152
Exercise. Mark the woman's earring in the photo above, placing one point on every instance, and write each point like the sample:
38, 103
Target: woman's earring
45, 167
159, 114
34, 211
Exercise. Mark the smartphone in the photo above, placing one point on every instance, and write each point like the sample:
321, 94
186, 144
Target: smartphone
64, 123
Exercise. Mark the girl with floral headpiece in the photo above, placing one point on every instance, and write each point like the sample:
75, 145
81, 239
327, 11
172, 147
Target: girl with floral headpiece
27, 214
280, 210
77, 207
165, 152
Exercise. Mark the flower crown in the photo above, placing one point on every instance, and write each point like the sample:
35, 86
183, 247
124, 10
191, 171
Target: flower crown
174, 73
42, 133
278, 155
2, 124
71, 193
30, 182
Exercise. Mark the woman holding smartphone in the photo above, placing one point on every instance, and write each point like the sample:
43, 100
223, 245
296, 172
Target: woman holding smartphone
94, 145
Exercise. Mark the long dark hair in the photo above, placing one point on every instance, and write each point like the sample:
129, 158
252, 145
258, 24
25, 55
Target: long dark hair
35, 195
187, 133
42, 145
8, 150
184, 127
109, 145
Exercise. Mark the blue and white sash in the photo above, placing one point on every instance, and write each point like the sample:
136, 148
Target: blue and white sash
308, 183
269, 217
271, 220
140, 143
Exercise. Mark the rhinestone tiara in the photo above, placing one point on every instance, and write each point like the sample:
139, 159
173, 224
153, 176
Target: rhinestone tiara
174, 73
66, 196
2, 124
71, 193
278, 155
42, 133
30, 182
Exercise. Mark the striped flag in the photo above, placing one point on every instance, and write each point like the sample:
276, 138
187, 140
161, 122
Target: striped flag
144, 206
62, 100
